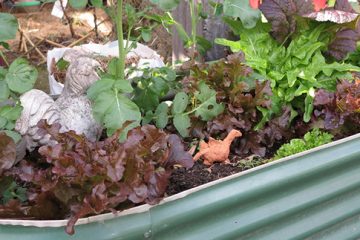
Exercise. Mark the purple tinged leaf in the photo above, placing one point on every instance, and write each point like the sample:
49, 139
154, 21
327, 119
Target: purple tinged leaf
115, 173
344, 43
335, 16
251, 143
139, 194
177, 154
281, 15
277, 129
323, 97
7, 152
84, 177
339, 108
344, 5
158, 183
345, 39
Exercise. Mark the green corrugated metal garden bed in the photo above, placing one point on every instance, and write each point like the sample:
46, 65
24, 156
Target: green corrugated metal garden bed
311, 195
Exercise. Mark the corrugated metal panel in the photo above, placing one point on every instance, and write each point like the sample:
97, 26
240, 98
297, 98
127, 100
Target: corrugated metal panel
121, 228
293, 199
308, 196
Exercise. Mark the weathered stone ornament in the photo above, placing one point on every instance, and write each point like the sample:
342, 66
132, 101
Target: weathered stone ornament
72, 109
139, 57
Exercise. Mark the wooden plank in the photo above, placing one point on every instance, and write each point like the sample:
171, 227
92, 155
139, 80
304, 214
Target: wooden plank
217, 28
182, 15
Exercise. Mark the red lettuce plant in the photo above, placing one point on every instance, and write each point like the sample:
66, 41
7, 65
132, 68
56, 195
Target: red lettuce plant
340, 108
245, 98
81, 178
7, 152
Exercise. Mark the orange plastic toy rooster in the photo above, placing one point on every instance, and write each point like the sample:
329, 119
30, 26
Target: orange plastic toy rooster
217, 150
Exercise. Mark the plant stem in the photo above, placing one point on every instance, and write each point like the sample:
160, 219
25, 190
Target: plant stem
128, 39
2, 55
120, 70
193, 14
68, 19
95, 23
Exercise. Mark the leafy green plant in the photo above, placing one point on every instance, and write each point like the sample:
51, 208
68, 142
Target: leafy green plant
203, 105
8, 29
10, 190
230, 8
250, 162
110, 96
111, 106
312, 139
295, 71
18, 79
152, 86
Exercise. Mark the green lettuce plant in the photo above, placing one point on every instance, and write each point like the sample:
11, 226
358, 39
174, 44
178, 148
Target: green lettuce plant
312, 139
296, 70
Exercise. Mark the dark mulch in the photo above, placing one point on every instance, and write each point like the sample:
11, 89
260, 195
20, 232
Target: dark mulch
183, 179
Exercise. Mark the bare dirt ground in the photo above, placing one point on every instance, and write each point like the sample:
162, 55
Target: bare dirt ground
41, 24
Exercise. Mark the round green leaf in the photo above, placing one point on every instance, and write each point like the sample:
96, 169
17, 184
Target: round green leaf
113, 110
123, 86
4, 91
209, 108
3, 72
161, 115
8, 27
11, 113
21, 76
3, 122
113, 64
182, 124
100, 86
170, 74
159, 86
241, 9
148, 118
97, 3
78, 4
146, 34
180, 103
